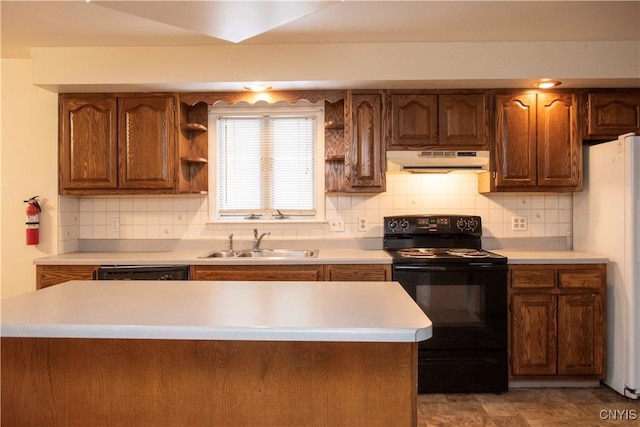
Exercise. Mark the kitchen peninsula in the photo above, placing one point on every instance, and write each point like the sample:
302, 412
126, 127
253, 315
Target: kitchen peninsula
211, 353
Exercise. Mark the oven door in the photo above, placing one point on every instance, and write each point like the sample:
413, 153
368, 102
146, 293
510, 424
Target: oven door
466, 303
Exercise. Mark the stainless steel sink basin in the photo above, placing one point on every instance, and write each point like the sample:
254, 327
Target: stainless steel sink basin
218, 254
280, 253
263, 253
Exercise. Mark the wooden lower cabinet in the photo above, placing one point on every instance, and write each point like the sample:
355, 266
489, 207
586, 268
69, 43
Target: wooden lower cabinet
49, 275
358, 272
557, 321
306, 272
257, 272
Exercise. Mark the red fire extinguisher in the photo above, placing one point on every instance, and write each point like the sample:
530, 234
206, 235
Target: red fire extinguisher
33, 221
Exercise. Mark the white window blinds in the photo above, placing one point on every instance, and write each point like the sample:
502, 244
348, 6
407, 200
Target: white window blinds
266, 163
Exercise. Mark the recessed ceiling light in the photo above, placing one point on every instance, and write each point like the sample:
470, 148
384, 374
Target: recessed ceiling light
547, 84
257, 87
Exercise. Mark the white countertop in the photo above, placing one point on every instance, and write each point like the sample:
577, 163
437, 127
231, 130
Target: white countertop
325, 256
550, 257
261, 311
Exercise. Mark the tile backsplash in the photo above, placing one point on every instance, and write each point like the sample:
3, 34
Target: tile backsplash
186, 216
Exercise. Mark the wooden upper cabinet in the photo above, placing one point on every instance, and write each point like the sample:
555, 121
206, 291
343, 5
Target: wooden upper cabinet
559, 144
88, 154
364, 149
414, 121
146, 136
110, 144
538, 145
462, 120
434, 121
515, 146
610, 114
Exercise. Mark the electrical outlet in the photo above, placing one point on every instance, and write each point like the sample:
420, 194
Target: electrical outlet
362, 223
519, 223
336, 224
114, 225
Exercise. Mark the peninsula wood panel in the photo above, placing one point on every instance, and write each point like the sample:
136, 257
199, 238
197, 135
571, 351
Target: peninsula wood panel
83, 382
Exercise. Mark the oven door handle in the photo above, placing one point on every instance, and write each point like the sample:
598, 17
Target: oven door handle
470, 266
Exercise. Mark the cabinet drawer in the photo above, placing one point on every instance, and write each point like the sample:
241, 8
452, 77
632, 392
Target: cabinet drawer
258, 272
358, 272
542, 277
592, 278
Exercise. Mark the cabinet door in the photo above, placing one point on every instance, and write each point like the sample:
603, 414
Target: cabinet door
581, 337
515, 149
146, 140
559, 145
363, 156
87, 143
258, 272
49, 275
358, 272
462, 121
414, 122
612, 114
534, 334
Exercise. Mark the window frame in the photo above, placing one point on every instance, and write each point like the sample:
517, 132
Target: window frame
317, 110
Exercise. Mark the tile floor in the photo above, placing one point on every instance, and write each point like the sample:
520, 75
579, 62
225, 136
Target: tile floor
548, 407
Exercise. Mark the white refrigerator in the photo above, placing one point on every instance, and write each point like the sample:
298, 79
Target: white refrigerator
606, 221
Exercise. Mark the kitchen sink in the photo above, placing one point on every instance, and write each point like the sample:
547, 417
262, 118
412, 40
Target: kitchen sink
218, 254
263, 253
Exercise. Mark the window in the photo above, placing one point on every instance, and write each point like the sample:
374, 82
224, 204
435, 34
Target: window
268, 163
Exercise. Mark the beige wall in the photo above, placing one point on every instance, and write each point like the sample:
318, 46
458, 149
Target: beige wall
29, 168
386, 64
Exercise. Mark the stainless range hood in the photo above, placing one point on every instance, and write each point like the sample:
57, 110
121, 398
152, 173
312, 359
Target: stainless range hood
444, 161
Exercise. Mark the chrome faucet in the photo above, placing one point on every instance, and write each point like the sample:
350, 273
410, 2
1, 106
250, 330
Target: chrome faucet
231, 242
257, 240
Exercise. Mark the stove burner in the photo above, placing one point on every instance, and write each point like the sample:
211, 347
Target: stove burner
417, 253
423, 253
467, 253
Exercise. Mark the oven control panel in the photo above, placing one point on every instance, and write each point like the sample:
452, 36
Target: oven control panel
438, 224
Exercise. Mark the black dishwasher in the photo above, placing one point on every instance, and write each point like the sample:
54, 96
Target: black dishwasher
143, 272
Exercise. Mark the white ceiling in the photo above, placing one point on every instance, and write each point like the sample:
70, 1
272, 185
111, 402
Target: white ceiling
26, 24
